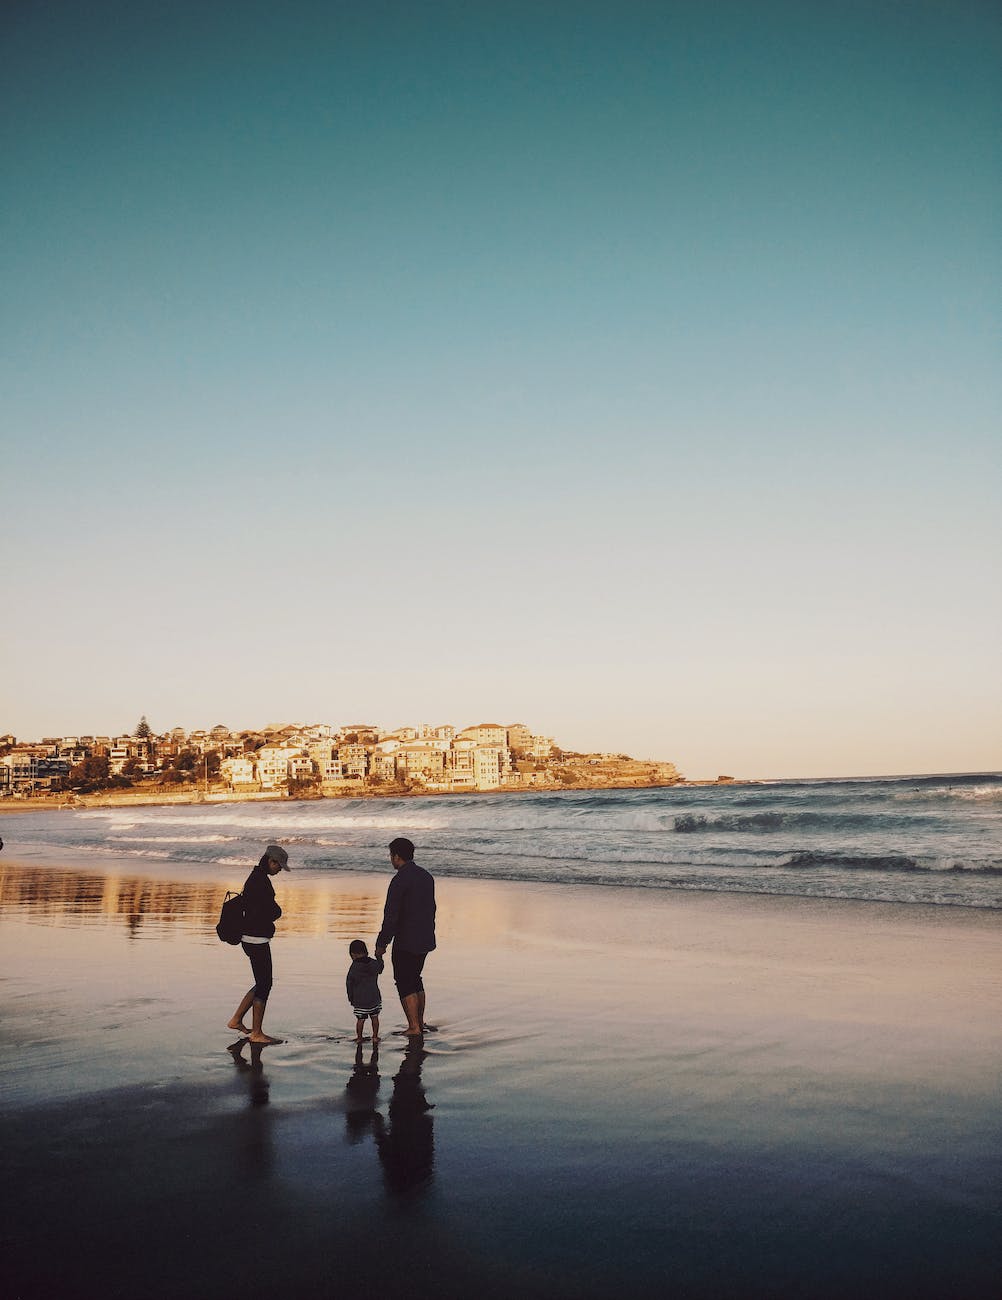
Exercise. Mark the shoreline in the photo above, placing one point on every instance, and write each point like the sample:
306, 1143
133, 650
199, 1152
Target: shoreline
153, 798
305, 878
149, 799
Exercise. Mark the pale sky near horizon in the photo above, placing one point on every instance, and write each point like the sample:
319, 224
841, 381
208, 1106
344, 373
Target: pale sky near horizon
630, 370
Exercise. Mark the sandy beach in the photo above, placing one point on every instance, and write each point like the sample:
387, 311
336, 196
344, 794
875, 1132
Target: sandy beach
627, 1091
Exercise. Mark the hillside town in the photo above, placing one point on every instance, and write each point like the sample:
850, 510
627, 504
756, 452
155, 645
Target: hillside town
311, 761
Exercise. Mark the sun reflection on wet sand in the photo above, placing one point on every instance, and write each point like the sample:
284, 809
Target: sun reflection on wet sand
63, 897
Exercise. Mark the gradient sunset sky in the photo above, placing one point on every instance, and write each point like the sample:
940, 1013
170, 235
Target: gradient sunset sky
631, 370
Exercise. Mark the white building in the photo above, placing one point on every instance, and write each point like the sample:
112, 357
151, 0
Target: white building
238, 771
273, 765
488, 763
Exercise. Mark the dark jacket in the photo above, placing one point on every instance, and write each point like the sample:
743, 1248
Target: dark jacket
409, 915
260, 909
362, 982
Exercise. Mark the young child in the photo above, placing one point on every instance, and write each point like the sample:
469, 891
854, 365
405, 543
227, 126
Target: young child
363, 988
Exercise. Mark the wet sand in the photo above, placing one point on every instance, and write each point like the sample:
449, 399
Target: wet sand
627, 1090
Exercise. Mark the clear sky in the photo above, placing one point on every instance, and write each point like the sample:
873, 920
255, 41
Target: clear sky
627, 369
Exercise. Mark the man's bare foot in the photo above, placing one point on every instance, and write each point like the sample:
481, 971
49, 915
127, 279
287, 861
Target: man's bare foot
264, 1038
238, 1025
375, 1038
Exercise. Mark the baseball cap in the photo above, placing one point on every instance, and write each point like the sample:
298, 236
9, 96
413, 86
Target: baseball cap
279, 855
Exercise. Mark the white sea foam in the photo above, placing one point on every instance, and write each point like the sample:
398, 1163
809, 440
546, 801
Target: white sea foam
171, 839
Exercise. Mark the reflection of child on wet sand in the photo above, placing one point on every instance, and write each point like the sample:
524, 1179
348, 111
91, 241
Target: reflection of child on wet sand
362, 985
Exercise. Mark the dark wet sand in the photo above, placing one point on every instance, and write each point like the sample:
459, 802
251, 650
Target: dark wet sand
628, 1092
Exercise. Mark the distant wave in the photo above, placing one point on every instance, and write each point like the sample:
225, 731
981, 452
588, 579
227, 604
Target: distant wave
694, 823
853, 862
689, 823
888, 862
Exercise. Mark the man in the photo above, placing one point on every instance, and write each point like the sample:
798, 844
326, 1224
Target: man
409, 923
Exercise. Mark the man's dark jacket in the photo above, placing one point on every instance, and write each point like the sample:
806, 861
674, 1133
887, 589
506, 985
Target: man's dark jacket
409, 915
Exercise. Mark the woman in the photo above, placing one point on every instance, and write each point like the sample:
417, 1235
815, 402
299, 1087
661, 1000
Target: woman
260, 914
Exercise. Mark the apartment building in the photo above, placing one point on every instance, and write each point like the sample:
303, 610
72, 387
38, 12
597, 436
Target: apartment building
238, 771
422, 760
124, 748
518, 736
26, 770
354, 759
486, 733
383, 762
460, 765
273, 764
488, 766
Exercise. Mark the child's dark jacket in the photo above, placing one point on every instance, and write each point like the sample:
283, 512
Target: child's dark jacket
362, 981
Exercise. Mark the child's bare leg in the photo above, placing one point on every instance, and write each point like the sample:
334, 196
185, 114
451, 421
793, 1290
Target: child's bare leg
359, 1026
238, 1016
375, 1029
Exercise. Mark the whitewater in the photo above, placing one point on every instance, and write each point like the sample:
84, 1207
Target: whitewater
928, 839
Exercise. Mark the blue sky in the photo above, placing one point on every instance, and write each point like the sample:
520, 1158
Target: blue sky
630, 370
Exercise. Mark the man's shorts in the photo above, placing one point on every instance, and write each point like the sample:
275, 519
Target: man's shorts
407, 967
363, 1013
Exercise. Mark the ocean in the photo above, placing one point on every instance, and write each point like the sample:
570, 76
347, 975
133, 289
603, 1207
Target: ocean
914, 839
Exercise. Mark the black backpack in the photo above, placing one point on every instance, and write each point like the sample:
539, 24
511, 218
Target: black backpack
230, 926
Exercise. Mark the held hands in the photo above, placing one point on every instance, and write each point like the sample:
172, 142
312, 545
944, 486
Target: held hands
379, 950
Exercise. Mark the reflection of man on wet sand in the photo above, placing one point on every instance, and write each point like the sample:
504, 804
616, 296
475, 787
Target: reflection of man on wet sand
407, 1144
409, 924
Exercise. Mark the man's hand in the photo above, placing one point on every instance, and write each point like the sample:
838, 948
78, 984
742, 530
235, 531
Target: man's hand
379, 951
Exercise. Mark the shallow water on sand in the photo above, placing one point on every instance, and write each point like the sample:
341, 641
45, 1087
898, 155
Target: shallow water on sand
674, 1094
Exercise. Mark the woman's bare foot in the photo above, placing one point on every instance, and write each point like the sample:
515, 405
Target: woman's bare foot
238, 1025
264, 1038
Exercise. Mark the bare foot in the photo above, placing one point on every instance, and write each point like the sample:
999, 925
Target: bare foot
375, 1038
238, 1025
264, 1038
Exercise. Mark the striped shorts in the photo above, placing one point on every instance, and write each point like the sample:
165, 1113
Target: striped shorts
362, 1013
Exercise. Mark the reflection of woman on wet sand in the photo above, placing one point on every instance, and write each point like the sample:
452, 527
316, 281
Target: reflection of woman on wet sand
256, 1078
260, 914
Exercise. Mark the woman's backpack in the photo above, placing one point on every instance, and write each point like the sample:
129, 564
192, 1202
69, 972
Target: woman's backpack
230, 926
